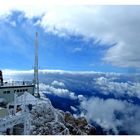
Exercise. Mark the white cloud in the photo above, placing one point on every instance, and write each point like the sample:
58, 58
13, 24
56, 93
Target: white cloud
104, 113
47, 71
106, 24
57, 83
73, 108
119, 89
13, 23
81, 97
57, 91
77, 49
16, 72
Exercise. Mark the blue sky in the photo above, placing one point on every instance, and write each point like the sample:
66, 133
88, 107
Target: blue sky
60, 47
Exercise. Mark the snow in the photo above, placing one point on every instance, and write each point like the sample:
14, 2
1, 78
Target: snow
1, 100
46, 120
30, 99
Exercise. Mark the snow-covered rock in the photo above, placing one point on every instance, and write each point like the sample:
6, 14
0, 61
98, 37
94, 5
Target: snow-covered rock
46, 120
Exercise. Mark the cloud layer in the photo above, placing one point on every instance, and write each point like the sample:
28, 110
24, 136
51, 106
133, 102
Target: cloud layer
113, 114
119, 89
62, 92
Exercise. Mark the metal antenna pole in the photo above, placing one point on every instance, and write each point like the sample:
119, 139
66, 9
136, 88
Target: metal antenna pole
36, 80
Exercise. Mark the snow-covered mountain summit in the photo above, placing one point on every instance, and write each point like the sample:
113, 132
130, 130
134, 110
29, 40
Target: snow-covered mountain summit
46, 120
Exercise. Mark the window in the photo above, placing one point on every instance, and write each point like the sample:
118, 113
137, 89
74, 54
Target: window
8, 92
26, 89
20, 90
17, 90
14, 91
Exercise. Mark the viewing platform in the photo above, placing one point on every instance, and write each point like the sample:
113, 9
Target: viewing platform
16, 83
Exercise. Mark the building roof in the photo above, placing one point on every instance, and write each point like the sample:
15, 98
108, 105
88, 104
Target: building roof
26, 98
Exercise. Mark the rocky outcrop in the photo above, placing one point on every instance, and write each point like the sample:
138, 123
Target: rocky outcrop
78, 126
46, 120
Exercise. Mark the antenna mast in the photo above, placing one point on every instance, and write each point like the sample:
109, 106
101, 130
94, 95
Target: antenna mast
36, 79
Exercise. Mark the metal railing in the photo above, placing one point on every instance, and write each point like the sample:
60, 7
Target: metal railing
16, 83
15, 118
10, 121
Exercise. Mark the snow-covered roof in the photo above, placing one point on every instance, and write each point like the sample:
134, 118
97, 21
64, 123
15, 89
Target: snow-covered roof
30, 99
26, 98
